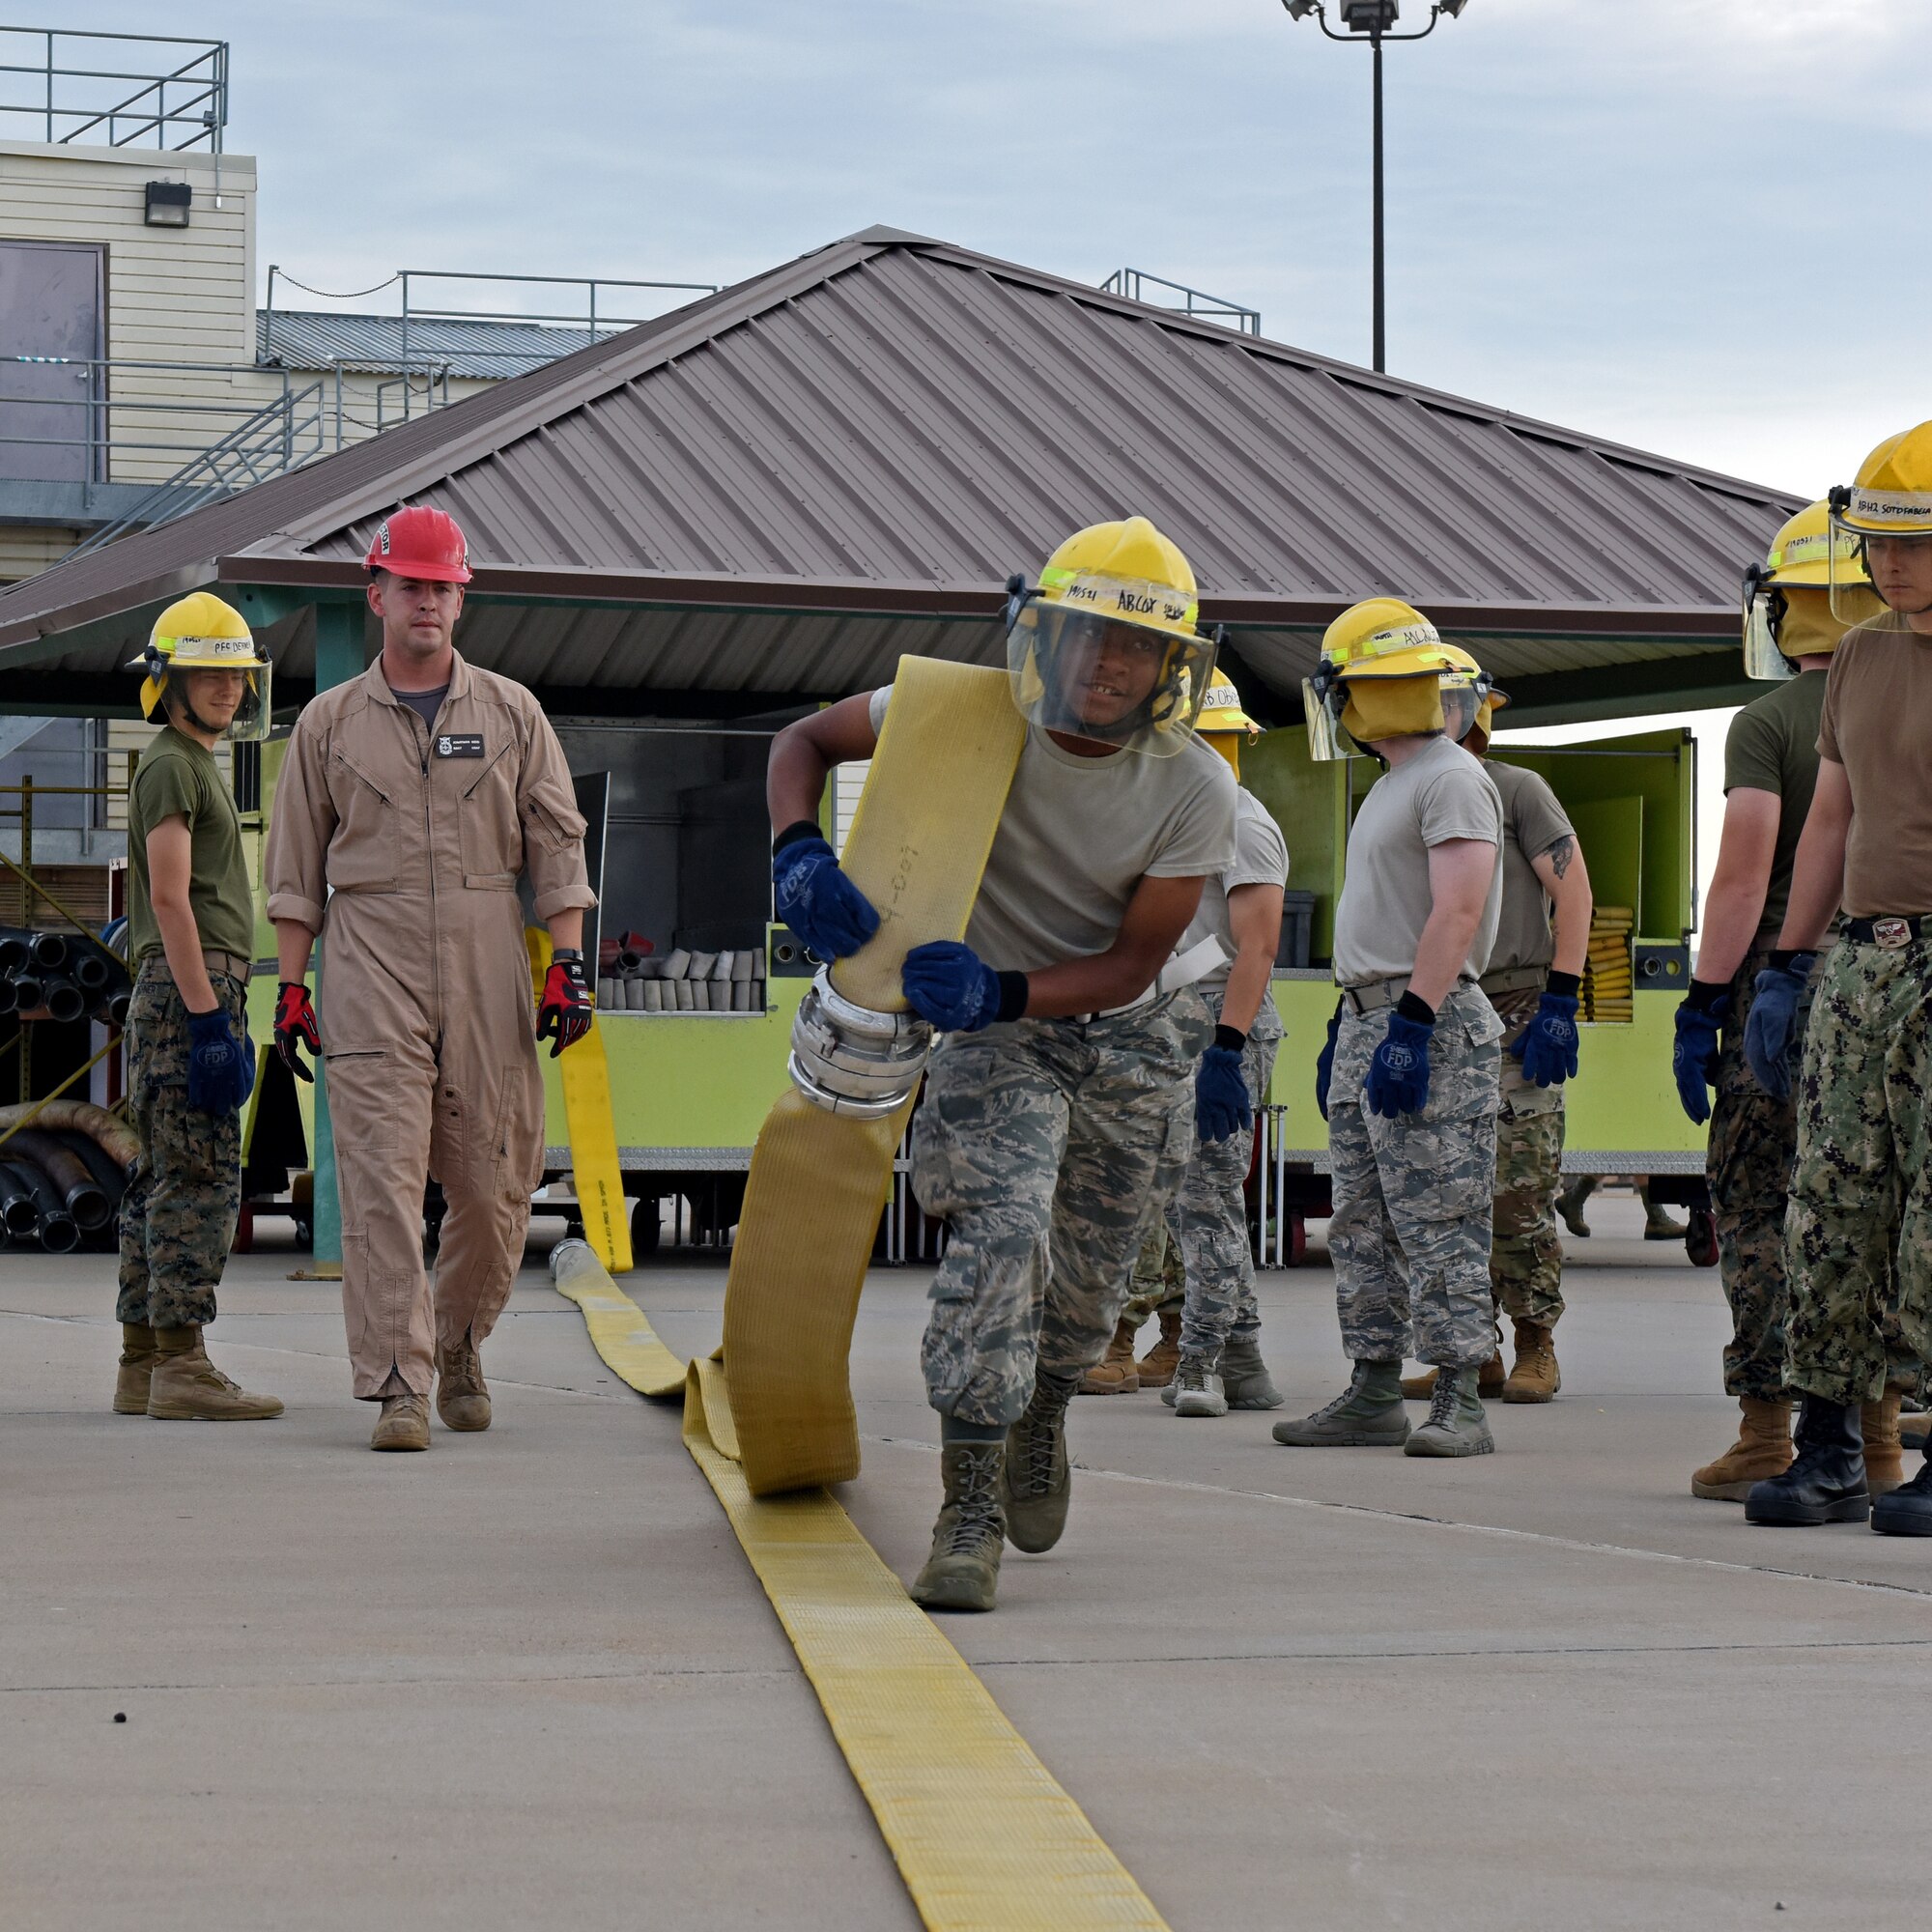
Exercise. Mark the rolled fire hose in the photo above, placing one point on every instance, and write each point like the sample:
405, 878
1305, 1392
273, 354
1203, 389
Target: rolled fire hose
63, 1000
66, 1174
14, 948
10, 998
109, 1175
26, 984
48, 950
819, 1178
93, 971
113, 1137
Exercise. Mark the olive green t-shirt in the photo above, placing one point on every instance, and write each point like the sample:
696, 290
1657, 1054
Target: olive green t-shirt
179, 778
1533, 823
1773, 746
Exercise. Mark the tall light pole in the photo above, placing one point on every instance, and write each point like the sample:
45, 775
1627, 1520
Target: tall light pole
1374, 20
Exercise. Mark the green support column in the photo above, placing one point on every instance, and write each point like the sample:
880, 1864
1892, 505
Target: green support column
338, 657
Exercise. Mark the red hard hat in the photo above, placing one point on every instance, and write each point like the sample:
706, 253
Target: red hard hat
422, 543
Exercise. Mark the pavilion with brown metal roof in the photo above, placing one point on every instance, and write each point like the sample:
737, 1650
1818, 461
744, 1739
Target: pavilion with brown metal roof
762, 500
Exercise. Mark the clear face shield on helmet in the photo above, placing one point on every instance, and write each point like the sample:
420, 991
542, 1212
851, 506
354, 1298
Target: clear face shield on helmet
1348, 714
1764, 607
214, 668
1100, 663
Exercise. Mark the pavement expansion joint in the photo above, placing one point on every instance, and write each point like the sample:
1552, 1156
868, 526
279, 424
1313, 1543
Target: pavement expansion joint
1423, 1519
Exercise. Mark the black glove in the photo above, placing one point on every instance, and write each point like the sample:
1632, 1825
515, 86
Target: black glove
221, 1066
295, 1025
565, 1010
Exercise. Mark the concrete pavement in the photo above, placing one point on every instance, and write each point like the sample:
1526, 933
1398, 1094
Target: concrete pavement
528, 1677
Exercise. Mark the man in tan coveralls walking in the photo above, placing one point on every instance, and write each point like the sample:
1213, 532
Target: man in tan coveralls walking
411, 800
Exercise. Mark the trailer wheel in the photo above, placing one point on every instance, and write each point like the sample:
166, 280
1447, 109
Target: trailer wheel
304, 1234
1700, 1242
1297, 1238
646, 1225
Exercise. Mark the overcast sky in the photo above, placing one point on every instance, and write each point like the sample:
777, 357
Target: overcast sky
1689, 224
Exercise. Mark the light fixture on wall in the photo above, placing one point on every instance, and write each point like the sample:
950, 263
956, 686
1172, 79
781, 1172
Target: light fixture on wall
168, 203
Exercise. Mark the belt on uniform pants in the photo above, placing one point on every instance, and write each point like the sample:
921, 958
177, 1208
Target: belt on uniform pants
1514, 979
1373, 995
231, 965
1891, 931
1182, 969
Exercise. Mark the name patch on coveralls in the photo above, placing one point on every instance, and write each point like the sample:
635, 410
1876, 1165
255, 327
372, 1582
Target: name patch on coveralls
460, 745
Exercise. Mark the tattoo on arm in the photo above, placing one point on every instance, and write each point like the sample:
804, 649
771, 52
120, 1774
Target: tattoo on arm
1561, 853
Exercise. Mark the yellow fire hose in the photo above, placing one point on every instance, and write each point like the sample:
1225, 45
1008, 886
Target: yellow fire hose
984, 1837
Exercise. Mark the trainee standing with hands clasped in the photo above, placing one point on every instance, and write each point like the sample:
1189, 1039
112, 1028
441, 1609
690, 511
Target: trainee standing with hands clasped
410, 801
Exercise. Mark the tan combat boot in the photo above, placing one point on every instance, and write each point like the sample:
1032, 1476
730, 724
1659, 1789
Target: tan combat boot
1885, 1456
963, 1571
404, 1423
1536, 1378
461, 1396
186, 1387
137, 1367
1155, 1369
1762, 1451
1489, 1381
1115, 1373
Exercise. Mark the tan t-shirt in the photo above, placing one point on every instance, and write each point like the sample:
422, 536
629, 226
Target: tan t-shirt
1261, 859
1533, 821
1076, 837
1439, 794
1877, 700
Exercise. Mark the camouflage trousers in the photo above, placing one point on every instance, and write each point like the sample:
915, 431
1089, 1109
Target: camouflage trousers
1526, 1250
1159, 1282
1410, 1229
1748, 1162
1859, 1235
1210, 1216
178, 1215
1051, 1147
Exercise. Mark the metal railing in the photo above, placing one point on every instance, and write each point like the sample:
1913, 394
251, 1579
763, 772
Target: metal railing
188, 100
282, 435
589, 318
1133, 283
133, 415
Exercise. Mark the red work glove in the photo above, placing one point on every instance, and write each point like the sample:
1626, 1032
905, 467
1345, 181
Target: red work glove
564, 1012
295, 1025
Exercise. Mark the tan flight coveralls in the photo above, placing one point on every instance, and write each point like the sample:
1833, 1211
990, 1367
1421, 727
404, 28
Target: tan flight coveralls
427, 1015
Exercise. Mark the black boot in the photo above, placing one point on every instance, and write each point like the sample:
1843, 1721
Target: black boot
1826, 1482
1908, 1510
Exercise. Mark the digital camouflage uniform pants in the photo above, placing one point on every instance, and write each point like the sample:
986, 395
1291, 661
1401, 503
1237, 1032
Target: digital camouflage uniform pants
1411, 1231
1748, 1162
178, 1215
1526, 1250
1859, 1236
1051, 1147
1210, 1216
1159, 1279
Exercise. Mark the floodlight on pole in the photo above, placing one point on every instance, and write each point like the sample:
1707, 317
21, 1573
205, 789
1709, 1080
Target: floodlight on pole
1374, 20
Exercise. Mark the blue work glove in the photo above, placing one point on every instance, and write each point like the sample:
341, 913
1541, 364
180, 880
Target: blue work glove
1221, 1106
1772, 1029
1547, 1045
1694, 1059
1324, 1061
815, 899
221, 1067
952, 986
1398, 1081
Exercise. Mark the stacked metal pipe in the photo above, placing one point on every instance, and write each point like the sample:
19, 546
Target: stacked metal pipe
58, 975
64, 1166
683, 981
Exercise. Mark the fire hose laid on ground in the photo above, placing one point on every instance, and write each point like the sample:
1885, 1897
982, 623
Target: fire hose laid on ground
984, 1837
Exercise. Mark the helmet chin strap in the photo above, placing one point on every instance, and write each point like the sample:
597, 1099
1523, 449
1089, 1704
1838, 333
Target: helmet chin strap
192, 716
